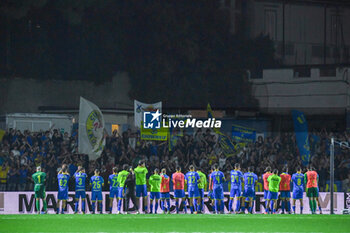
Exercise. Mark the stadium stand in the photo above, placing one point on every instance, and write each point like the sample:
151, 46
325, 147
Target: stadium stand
21, 152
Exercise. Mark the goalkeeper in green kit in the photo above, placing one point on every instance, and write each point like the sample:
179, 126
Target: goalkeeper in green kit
39, 179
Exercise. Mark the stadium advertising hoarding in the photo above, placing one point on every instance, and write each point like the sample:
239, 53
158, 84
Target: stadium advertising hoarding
24, 203
347, 201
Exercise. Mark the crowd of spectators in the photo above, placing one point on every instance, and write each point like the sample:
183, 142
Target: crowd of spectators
22, 152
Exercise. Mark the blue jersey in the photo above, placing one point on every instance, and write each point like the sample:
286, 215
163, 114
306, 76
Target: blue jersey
249, 180
113, 184
236, 179
96, 182
63, 181
80, 181
192, 179
218, 178
298, 181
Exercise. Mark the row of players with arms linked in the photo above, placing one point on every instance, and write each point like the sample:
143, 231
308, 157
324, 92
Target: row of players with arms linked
131, 184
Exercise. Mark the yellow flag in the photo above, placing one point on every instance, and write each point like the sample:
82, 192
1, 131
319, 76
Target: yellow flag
2, 133
154, 134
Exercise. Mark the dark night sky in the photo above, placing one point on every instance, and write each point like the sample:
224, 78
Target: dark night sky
160, 44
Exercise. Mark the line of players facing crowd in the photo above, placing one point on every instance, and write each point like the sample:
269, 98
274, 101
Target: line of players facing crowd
130, 184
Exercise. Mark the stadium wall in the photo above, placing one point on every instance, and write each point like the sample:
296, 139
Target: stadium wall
304, 32
280, 90
24, 203
20, 95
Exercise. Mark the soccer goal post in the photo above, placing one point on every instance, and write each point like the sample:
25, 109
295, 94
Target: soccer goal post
342, 144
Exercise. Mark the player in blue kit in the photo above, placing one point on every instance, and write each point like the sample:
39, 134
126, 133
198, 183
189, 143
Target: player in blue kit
210, 190
63, 178
298, 189
80, 177
113, 188
192, 179
217, 179
96, 183
236, 187
250, 179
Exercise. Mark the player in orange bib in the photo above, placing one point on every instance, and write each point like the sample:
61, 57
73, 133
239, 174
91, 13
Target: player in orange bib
164, 191
285, 190
178, 179
266, 188
311, 181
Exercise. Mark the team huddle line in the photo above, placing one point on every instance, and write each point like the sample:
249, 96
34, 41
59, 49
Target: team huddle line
130, 185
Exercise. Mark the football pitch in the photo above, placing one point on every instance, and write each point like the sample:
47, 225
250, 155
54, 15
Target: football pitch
174, 223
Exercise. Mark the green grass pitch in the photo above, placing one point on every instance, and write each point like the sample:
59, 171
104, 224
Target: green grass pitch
174, 223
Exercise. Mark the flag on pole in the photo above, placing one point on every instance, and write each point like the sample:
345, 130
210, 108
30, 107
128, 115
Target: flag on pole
91, 129
210, 115
174, 135
224, 141
302, 136
140, 108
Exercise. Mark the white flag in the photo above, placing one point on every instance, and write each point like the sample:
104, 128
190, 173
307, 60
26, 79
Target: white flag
140, 108
91, 129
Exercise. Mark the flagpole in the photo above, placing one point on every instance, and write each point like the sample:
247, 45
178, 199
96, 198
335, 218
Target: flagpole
331, 170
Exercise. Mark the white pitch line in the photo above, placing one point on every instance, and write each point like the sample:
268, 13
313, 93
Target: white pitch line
204, 231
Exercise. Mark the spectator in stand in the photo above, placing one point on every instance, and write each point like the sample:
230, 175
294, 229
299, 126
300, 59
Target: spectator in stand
4, 170
13, 177
23, 174
346, 183
22, 152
